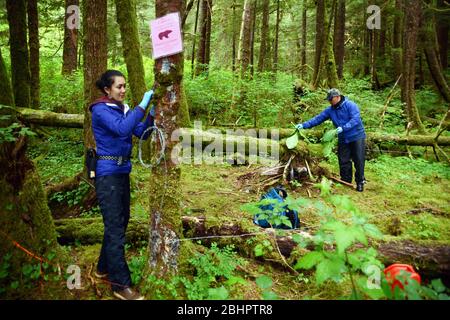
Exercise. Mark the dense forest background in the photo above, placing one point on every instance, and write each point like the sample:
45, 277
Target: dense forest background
245, 64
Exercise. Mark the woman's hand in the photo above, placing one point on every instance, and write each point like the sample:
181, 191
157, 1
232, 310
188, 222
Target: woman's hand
146, 99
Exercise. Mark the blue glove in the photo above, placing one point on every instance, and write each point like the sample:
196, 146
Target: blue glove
339, 130
153, 111
146, 99
299, 126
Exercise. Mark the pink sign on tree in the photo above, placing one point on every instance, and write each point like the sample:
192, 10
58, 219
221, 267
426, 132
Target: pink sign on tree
166, 35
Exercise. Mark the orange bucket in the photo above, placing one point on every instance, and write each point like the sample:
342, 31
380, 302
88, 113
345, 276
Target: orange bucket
393, 270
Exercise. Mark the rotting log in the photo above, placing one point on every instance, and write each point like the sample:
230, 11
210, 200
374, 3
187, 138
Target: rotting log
431, 261
52, 119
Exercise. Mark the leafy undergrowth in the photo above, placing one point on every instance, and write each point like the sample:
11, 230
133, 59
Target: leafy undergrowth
404, 198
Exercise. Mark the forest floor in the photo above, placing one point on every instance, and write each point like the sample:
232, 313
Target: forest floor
408, 195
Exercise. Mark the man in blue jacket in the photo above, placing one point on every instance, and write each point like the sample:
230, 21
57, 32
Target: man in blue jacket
345, 116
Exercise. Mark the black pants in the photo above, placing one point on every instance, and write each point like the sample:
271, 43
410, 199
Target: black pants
348, 152
113, 194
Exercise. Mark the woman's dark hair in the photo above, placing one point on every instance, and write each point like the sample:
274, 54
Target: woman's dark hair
107, 79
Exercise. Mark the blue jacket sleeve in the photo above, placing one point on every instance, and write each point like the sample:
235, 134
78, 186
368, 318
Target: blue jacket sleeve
142, 126
354, 118
115, 122
321, 117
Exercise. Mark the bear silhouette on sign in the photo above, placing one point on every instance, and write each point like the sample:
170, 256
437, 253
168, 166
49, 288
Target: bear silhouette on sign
164, 34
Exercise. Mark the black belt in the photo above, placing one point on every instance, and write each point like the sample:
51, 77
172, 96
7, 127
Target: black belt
120, 159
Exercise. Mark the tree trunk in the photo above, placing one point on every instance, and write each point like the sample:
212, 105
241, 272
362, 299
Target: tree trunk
195, 40
329, 61
411, 27
277, 36
164, 184
70, 48
339, 37
233, 63
373, 60
95, 58
127, 20
397, 39
429, 41
303, 50
33, 30
204, 42
25, 219
245, 38
432, 261
20, 68
252, 41
262, 63
442, 27
6, 98
319, 42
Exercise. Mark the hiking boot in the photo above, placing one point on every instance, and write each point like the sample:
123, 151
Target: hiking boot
128, 294
101, 275
360, 187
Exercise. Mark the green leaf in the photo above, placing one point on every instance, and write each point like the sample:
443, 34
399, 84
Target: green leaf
264, 282
14, 284
329, 269
292, 141
269, 295
373, 231
438, 286
309, 260
218, 293
329, 135
327, 149
233, 280
373, 293
259, 250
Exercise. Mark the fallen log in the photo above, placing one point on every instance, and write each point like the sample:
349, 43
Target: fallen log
431, 261
52, 119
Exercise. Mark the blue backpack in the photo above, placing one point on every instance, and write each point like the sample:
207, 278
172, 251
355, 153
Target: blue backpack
274, 193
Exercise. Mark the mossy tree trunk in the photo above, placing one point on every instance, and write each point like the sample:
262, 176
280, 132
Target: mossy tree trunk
6, 97
339, 37
20, 69
277, 35
25, 218
304, 68
429, 42
397, 39
411, 28
70, 47
127, 20
95, 58
262, 62
164, 184
245, 38
319, 41
442, 28
205, 35
33, 40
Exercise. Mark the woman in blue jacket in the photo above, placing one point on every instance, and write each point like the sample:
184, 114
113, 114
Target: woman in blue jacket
351, 135
113, 124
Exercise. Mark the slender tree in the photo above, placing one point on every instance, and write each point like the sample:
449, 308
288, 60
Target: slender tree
245, 37
442, 28
397, 38
33, 39
262, 63
319, 40
429, 41
95, 52
164, 184
70, 48
339, 37
127, 20
277, 35
6, 98
195, 40
205, 34
252, 40
20, 68
303, 49
412, 10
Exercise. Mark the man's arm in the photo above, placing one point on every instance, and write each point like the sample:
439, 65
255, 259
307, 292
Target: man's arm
321, 117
